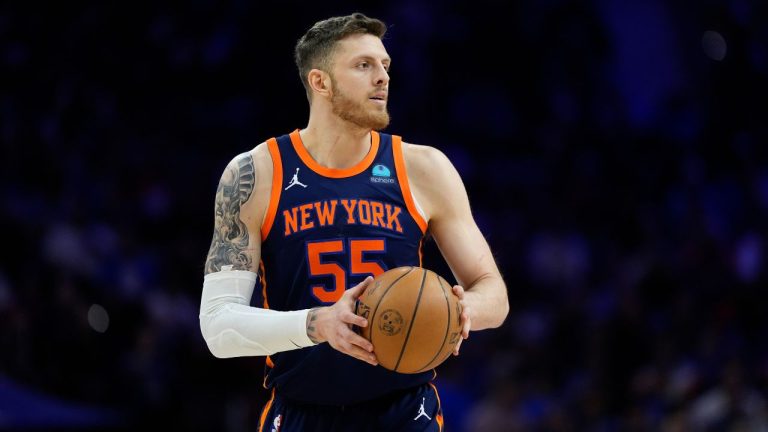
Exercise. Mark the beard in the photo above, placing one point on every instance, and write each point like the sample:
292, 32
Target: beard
355, 112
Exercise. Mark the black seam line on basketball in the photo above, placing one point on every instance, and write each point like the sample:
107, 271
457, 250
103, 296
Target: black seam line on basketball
410, 325
371, 321
448, 325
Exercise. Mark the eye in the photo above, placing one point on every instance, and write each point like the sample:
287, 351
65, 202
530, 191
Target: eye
363, 65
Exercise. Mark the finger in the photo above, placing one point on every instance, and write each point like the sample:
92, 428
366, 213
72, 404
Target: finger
466, 323
459, 291
350, 317
353, 338
357, 352
358, 289
361, 354
458, 346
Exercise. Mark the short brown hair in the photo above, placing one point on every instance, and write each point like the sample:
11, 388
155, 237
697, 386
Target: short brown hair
314, 49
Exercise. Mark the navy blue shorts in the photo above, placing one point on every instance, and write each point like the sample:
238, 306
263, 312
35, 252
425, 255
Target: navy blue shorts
415, 409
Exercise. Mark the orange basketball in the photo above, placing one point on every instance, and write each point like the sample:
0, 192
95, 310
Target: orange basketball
414, 319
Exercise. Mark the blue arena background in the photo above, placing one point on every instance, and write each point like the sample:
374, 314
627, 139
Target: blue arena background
614, 155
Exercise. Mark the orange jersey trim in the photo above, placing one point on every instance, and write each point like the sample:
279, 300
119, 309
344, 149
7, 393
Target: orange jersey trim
266, 411
277, 186
438, 417
271, 365
335, 172
263, 276
402, 178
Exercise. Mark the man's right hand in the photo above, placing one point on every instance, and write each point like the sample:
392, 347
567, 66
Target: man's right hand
333, 324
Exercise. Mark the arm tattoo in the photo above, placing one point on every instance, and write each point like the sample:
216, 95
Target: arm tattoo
230, 235
311, 330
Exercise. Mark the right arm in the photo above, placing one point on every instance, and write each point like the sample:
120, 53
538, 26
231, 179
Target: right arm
236, 244
230, 326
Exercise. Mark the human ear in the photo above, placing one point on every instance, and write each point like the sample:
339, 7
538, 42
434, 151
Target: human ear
319, 81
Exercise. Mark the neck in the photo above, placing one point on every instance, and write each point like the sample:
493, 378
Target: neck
335, 143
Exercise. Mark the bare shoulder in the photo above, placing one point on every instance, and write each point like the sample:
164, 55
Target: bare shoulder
261, 157
428, 164
423, 156
258, 159
247, 180
432, 176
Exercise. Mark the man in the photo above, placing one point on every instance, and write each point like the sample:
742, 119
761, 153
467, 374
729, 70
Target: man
313, 212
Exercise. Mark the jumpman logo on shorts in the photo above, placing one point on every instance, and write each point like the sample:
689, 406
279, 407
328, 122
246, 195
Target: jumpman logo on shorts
295, 181
422, 412
276, 423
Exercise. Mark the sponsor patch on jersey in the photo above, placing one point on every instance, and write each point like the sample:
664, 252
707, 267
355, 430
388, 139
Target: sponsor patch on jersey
381, 174
380, 171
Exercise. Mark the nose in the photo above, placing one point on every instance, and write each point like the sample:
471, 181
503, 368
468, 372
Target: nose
382, 76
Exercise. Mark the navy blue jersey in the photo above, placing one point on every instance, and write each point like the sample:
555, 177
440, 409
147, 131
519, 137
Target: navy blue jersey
325, 231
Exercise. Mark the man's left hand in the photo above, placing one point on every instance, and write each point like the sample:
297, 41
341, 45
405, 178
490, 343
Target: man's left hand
466, 322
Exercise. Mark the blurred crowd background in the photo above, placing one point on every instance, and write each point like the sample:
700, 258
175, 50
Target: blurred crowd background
614, 154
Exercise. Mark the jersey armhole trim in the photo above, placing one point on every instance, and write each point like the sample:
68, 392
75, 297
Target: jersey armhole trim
402, 178
277, 185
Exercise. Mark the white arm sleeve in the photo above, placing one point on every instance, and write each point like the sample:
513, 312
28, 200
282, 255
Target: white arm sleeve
232, 328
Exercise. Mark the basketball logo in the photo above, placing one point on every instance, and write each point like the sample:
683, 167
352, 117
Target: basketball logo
454, 338
373, 289
458, 314
391, 322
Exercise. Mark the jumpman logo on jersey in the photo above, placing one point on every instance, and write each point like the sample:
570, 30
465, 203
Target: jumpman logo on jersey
295, 181
422, 412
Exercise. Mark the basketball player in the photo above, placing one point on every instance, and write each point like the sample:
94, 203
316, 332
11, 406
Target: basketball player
305, 216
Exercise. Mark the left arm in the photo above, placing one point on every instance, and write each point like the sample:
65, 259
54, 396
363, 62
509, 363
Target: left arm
439, 189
